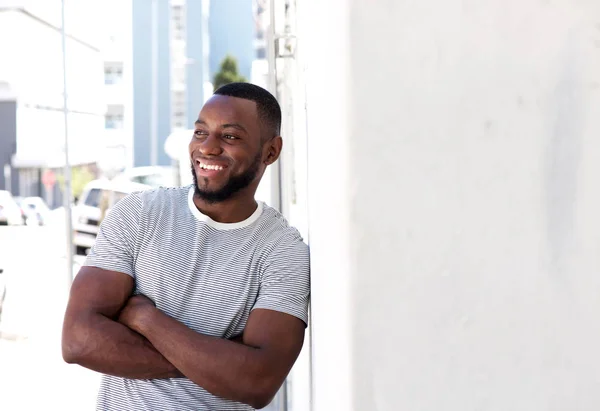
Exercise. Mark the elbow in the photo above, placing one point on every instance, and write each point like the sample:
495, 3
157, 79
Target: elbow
260, 402
262, 394
70, 352
72, 348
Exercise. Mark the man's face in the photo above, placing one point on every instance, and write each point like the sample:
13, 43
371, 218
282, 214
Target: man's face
226, 150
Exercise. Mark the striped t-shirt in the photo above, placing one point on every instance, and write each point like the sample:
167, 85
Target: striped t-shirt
205, 274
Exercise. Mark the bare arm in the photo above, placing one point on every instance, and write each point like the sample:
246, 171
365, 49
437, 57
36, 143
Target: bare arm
94, 339
251, 372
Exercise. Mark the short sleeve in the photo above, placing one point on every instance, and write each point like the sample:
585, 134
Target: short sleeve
285, 280
117, 235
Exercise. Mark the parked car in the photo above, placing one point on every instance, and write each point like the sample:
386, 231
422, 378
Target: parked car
98, 197
34, 210
153, 176
10, 212
18, 201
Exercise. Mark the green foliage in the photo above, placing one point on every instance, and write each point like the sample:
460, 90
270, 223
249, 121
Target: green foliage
228, 73
80, 176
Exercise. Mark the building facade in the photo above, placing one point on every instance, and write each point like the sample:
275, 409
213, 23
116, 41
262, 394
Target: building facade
116, 50
31, 75
190, 39
232, 31
197, 45
151, 81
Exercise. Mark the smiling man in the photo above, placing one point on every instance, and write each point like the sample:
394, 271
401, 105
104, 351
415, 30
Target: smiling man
196, 298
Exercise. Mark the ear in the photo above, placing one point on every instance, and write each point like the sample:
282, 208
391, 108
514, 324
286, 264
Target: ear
273, 150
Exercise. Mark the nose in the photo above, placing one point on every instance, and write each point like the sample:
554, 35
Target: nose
210, 146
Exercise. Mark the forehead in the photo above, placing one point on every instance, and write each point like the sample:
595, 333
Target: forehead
226, 109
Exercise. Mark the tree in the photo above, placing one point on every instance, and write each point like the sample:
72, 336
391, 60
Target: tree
80, 176
228, 73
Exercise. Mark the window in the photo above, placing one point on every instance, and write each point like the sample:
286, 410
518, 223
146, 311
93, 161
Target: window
178, 31
178, 98
178, 75
177, 21
113, 121
178, 109
113, 75
97, 197
93, 198
178, 120
152, 180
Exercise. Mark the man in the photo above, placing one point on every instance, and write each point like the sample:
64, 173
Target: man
195, 298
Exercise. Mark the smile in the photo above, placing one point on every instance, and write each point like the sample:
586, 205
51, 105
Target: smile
206, 166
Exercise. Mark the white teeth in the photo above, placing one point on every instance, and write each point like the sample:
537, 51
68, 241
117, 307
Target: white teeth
210, 167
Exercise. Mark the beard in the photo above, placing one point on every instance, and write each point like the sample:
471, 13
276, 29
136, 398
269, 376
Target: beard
234, 185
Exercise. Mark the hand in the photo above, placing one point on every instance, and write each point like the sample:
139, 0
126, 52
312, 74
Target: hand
136, 312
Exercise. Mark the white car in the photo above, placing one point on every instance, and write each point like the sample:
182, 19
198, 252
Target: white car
35, 209
10, 212
98, 197
153, 176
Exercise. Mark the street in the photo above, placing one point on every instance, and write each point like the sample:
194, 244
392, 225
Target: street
32, 372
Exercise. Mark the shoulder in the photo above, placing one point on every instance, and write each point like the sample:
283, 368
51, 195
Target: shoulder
274, 227
280, 239
161, 197
162, 194
140, 203
130, 205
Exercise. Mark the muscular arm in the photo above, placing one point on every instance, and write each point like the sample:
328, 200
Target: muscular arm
251, 372
94, 339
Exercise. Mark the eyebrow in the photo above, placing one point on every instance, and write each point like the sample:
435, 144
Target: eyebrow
234, 125
237, 126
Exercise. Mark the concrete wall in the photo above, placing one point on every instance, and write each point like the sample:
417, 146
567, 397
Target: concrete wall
142, 81
454, 163
231, 31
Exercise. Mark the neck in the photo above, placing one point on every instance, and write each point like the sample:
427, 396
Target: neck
232, 210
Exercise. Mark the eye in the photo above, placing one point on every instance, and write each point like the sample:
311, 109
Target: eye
229, 137
199, 133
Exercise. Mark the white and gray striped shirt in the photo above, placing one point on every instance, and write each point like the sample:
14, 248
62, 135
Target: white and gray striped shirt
205, 274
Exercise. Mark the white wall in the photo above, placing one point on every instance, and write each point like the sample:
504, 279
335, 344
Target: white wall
454, 168
324, 37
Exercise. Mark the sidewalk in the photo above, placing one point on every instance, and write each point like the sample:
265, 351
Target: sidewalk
34, 377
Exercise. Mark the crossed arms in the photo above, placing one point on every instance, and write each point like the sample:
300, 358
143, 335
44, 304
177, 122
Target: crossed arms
107, 330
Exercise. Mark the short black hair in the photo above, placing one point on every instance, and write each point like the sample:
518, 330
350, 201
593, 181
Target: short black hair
267, 106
